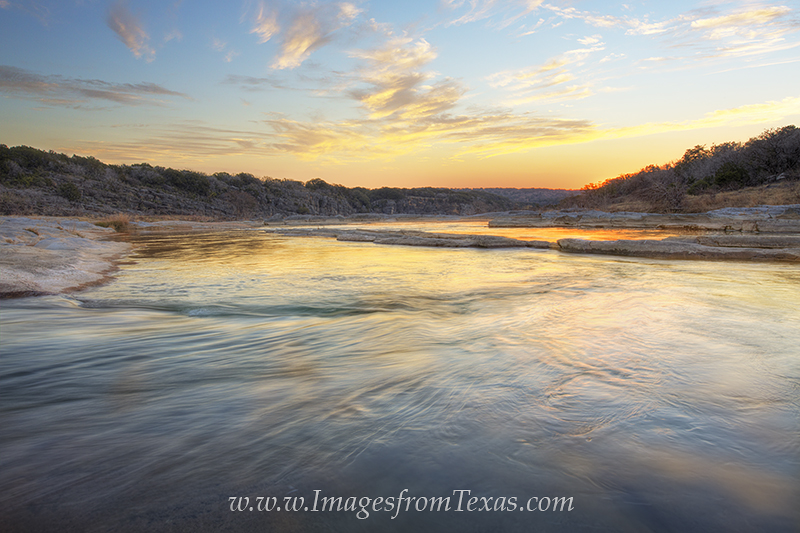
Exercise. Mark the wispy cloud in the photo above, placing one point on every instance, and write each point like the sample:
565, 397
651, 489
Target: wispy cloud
193, 141
539, 83
708, 34
129, 30
593, 19
751, 31
311, 28
301, 29
477, 10
590, 40
502, 14
265, 23
173, 34
221, 46
742, 19
61, 91
251, 83
33, 8
218, 44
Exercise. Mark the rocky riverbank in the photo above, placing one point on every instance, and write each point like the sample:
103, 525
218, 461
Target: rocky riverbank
764, 219
54, 255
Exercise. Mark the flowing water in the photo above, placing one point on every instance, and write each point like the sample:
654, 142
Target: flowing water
658, 395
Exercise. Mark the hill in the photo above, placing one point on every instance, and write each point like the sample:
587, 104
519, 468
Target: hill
36, 182
763, 170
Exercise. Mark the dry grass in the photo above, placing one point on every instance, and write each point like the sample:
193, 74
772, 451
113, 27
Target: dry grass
781, 193
121, 222
772, 194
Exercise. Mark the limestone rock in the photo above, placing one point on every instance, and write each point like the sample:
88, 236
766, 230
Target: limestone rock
676, 250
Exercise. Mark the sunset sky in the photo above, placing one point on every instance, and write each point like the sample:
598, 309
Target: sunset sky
453, 93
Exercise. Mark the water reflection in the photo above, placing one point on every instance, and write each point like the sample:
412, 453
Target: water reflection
662, 396
480, 227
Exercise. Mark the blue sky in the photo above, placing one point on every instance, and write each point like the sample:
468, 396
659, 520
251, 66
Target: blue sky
453, 93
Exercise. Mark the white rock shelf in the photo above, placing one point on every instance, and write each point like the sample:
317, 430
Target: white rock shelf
54, 255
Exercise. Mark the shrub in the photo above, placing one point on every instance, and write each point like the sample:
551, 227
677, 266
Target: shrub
25, 181
386, 193
69, 191
730, 175
28, 157
193, 182
317, 184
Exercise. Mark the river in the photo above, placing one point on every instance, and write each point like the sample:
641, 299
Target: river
657, 395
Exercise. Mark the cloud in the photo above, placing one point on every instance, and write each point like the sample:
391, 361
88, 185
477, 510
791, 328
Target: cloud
506, 12
752, 30
129, 30
266, 23
250, 83
395, 84
534, 84
700, 36
58, 90
173, 34
601, 21
311, 28
760, 16
304, 29
638, 27
743, 33
594, 39
189, 140
218, 44
478, 10
33, 8
221, 46
311, 140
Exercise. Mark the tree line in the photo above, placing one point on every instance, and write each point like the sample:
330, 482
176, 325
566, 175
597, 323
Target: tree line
34, 181
772, 156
